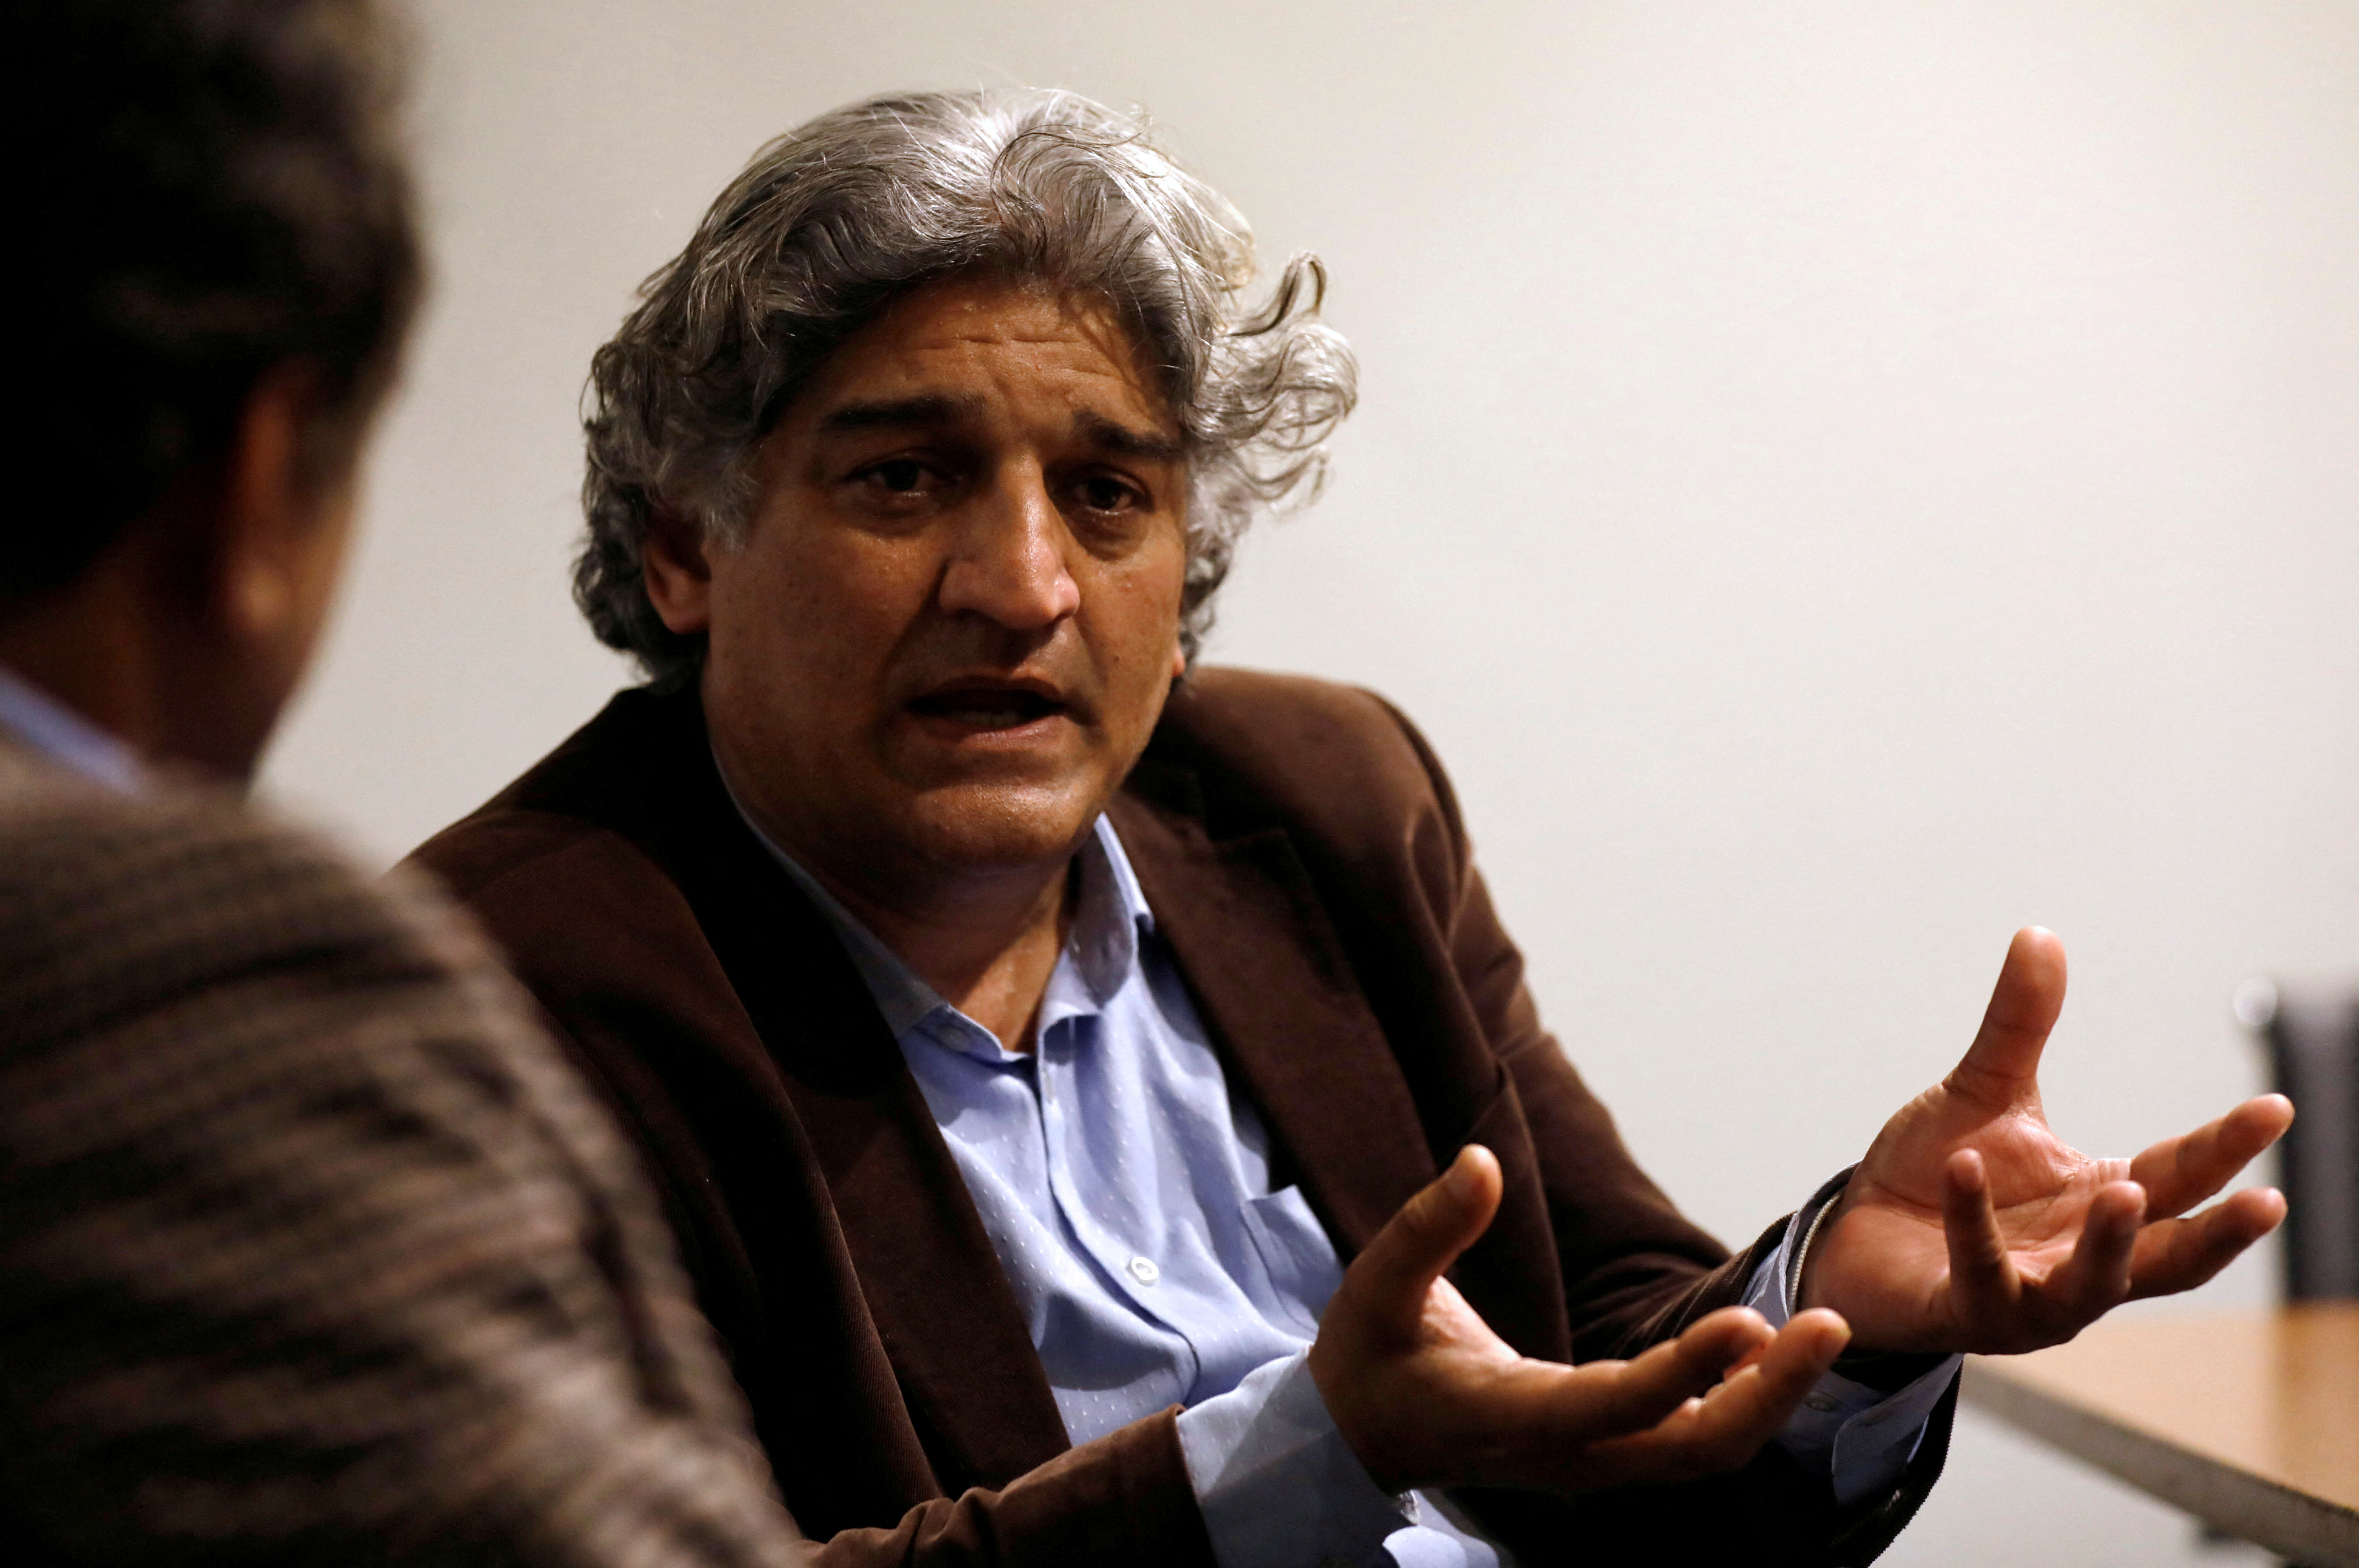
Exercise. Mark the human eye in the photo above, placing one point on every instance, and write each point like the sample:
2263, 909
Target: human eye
898, 485
1107, 493
895, 476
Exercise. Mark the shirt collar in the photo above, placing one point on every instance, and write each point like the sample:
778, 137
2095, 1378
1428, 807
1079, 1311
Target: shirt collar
1103, 945
65, 737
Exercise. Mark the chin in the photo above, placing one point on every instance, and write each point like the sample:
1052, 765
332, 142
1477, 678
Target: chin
983, 828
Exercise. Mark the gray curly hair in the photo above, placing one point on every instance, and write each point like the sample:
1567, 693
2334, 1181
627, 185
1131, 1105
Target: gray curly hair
836, 217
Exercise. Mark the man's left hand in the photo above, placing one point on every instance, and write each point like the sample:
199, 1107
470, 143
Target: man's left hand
1970, 1227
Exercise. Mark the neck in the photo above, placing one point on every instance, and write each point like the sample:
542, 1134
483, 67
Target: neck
87, 646
983, 931
987, 944
123, 646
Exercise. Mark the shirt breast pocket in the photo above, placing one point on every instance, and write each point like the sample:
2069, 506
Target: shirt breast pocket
1300, 1260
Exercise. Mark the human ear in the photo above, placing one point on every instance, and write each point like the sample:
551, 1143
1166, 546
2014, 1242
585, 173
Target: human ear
678, 573
1178, 662
278, 542
258, 554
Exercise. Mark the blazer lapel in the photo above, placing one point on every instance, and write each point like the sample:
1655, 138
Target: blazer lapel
934, 1288
1271, 978
1262, 959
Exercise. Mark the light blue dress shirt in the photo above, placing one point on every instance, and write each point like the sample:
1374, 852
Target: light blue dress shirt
64, 736
1126, 1190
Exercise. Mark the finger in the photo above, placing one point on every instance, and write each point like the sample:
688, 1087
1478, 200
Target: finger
2096, 1277
2023, 1009
1668, 1376
1751, 1356
2180, 1254
1550, 1421
1728, 1425
2180, 1173
1390, 1277
1771, 1384
1984, 1285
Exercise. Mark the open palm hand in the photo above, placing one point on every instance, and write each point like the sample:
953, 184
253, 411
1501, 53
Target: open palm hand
1970, 1227
1425, 1394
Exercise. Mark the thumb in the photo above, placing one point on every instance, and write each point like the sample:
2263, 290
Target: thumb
2023, 1010
1391, 1276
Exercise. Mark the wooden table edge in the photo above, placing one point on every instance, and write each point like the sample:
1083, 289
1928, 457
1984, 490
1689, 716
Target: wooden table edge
2303, 1529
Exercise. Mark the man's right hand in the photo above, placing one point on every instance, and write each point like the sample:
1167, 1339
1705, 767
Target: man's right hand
1426, 1395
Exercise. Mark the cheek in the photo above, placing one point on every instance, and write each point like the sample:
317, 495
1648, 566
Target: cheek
1141, 625
780, 593
1165, 587
828, 607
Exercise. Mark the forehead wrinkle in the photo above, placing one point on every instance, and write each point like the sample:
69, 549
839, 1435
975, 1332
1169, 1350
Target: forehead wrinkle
1001, 335
1052, 354
976, 340
987, 313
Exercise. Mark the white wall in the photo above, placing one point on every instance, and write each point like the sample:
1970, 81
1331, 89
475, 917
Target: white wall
1837, 481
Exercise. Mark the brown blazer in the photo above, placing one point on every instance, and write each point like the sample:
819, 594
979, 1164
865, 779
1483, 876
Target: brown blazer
1306, 862
312, 1248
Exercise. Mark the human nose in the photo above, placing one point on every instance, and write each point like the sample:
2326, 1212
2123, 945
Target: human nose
1009, 566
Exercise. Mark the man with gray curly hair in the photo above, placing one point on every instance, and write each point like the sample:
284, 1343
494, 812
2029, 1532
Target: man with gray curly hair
832, 220
1027, 1026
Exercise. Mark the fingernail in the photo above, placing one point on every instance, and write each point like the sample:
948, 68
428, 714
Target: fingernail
1837, 1324
1461, 1179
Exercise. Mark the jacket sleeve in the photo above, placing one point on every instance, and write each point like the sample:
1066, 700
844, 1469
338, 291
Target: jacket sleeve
836, 1434
1122, 1498
630, 986
311, 1249
1634, 1273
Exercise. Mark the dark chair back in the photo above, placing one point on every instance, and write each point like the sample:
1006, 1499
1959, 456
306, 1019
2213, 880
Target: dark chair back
2312, 1038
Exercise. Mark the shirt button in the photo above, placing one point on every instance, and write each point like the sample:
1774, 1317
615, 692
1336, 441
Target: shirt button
1144, 1270
1821, 1402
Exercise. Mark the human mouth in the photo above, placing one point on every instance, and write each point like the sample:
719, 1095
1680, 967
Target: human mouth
990, 706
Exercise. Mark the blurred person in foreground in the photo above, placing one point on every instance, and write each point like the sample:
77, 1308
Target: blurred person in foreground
311, 1247
1026, 1027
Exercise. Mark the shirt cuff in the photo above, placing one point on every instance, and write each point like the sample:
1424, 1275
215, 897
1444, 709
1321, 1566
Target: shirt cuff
1861, 1439
1277, 1484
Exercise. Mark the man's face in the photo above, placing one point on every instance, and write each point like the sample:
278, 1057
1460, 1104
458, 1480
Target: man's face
955, 615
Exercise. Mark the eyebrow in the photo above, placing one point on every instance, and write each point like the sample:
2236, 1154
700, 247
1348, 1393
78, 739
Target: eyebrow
933, 410
1152, 445
924, 412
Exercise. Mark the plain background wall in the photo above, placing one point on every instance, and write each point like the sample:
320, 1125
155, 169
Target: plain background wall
1836, 481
